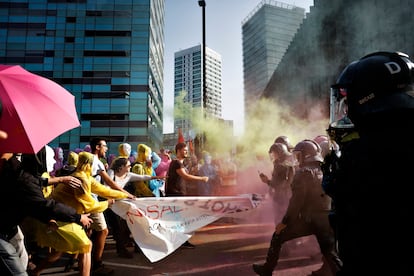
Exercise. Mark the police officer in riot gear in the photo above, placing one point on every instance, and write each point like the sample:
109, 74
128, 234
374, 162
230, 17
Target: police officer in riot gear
307, 212
374, 98
282, 175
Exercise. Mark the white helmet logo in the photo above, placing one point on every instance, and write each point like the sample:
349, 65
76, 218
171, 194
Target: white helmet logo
393, 67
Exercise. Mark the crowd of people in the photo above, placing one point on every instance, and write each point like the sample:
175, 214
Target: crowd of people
75, 194
341, 187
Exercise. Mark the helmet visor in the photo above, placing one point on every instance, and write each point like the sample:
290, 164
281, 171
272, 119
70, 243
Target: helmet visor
339, 109
272, 156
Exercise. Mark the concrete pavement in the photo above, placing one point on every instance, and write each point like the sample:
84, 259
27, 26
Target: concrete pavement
226, 247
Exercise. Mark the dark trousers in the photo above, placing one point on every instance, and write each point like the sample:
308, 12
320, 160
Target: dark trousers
119, 229
318, 226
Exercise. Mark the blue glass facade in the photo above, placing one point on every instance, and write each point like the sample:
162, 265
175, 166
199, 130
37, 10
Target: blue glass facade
109, 54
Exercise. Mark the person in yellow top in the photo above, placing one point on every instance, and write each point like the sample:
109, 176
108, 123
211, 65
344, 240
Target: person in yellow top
143, 166
84, 203
59, 236
124, 150
81, 199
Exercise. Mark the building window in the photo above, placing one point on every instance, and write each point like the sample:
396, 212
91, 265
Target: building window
69, 39
68, 60
70, 19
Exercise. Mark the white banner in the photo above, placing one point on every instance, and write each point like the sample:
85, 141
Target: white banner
159, 225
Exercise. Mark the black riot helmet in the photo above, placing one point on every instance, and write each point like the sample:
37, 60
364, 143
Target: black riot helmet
308, 151
281, 150
284, 140
376, 83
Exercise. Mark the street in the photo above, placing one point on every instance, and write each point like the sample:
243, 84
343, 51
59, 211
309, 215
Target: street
227, 246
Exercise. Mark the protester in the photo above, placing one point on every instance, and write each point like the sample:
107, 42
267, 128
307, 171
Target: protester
86, 148
177, 176
211, 171
155, 184
121, 174
228, 176
108, 160
124, 150
192, 165
59, 237
99, 226
84, 202
22, 182
307, 212
70, 166
162, 168
145, 164
133, 156
66, 170
373, 102
59, 158
13, 254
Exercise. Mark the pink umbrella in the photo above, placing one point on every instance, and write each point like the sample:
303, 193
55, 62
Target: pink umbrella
36, 110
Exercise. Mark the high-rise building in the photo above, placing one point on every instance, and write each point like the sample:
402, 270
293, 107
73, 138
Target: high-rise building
188, 78
266, 34
109, 54
324, 46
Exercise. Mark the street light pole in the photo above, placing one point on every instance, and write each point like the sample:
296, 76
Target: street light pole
202, 4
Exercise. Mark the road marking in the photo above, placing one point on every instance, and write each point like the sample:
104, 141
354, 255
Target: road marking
128, 265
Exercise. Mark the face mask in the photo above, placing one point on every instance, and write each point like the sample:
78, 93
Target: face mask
60, 154
208, 160
50, 160
124, 149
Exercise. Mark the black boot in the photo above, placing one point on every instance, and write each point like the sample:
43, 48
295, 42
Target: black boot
262, 270
272, 258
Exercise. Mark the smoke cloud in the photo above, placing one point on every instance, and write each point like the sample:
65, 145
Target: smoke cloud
266, 120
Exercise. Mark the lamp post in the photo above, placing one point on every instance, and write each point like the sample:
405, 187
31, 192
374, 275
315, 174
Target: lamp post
202, 4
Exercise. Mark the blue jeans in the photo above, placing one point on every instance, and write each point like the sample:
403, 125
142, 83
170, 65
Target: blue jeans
10, 261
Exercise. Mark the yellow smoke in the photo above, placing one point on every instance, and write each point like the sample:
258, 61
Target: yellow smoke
217, 132
267, 119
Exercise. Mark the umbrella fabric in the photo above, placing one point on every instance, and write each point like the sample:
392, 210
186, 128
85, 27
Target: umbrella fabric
36, 110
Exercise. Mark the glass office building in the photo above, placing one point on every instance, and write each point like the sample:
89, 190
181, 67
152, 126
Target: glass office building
266, 34
109, 54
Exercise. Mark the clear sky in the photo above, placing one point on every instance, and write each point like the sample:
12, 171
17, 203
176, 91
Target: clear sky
183, 29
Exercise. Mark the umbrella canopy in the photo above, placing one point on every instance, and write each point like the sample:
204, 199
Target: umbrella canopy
36, 110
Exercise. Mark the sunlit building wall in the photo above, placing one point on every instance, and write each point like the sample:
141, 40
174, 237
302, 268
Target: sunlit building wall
324, 45
266, 34
188, 78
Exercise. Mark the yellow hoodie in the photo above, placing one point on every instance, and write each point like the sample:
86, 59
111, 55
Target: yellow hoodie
82, 199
